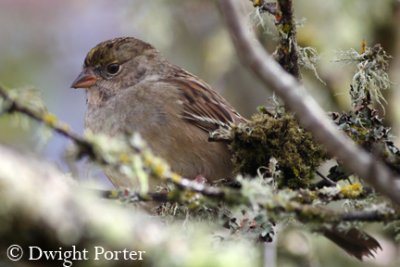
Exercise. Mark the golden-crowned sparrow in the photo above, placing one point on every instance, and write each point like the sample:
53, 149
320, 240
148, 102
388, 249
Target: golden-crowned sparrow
131, 87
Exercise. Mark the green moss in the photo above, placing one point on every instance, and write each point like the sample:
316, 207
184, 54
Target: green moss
265, 136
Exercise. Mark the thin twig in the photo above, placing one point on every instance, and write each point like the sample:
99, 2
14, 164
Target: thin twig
326, 179
370, 216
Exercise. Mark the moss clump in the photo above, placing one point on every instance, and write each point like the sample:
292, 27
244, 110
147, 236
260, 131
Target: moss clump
266, 136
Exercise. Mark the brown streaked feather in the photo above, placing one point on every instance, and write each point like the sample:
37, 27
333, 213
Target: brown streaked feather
203, 106
355, 242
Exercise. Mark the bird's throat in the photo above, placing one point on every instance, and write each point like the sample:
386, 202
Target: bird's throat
96, 97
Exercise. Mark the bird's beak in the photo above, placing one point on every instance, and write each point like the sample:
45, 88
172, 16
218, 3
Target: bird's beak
85, 79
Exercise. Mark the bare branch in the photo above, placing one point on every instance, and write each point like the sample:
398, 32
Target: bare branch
310, 115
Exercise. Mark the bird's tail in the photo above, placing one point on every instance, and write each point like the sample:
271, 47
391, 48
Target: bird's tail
355, 242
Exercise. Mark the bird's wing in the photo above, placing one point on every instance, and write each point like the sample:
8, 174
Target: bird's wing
202, 106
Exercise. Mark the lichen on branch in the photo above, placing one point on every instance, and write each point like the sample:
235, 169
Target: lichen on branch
280, 137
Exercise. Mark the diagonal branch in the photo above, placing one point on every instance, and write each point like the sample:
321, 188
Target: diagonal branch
87, 148
310, 115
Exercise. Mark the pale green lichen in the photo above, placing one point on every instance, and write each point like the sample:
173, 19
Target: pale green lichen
308, 58
372, 74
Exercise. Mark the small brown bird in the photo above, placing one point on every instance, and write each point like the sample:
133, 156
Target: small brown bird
131, 87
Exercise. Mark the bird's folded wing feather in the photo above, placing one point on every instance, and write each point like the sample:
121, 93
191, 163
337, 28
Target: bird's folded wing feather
203, 106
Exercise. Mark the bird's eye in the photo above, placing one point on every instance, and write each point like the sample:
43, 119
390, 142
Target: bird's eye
113, 68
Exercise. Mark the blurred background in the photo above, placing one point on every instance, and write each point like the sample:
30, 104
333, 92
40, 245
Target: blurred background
43, 45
